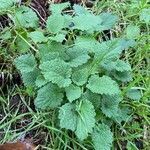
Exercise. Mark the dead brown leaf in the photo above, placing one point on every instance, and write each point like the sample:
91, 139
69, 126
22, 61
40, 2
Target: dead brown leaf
17, 146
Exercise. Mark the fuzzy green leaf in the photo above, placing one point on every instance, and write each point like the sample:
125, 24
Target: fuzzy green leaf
110, 105
40, 81
123, 115
73, 92
68, 21
49, 56
113, 48
5, 34
46, 53
49, 96
79, 118
55, 23
93, 97
145, 15
102, 137
108, 21
132, 32
25, 63
5, 4
103, 85
58, 8
37, 37
68, 116
21, 45
51, 50
29, 78
80, 77
26, 17
85, 120
89, 23
134, 94
57, 71
80, 10
124, 76
77, 57
122, 66
118, 65
58, 37
86, 42
108, 50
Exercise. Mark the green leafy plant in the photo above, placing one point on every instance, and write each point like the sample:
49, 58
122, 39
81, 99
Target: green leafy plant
70, 67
